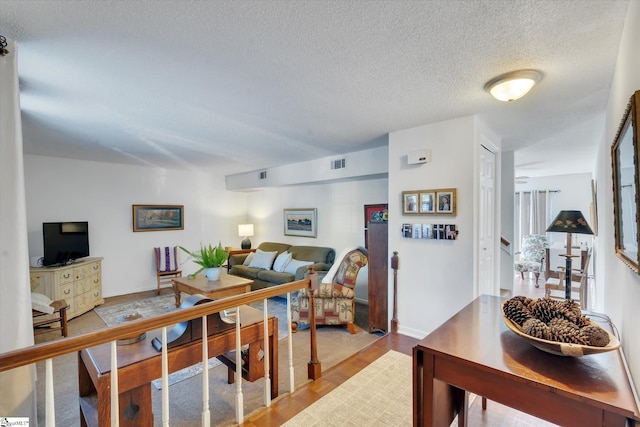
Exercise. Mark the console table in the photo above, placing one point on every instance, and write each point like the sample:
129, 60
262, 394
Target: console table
79, 284
140, 363
475, 352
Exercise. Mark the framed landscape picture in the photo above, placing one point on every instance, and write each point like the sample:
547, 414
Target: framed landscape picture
300, 222
158, 217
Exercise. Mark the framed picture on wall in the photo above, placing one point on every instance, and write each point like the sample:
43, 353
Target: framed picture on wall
158, 217
301, 222
427, 203
409, 202
446, 201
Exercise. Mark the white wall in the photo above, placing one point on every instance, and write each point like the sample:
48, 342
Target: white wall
340, 215
435, 278
619, 285
102, 194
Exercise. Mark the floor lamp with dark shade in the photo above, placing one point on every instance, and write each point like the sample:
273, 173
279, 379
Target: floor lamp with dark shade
569, 222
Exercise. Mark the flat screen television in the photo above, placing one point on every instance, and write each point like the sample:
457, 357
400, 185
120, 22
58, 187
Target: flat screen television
64, 242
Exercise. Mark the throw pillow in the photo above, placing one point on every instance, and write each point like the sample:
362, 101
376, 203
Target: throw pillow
249, 258
281, 261
263, 260
294, 264
41, 303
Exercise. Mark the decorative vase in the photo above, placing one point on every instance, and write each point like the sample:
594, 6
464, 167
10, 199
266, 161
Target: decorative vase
212, 273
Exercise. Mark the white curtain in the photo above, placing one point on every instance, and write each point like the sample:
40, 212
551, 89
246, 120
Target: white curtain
534, 211
16, 327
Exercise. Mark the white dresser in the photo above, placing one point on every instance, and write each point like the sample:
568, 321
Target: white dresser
80, 284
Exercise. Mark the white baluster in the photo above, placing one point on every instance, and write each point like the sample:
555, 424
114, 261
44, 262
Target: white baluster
292, 385
239, 396
50, 405
206, 417
115, 410
165, 379
267, 376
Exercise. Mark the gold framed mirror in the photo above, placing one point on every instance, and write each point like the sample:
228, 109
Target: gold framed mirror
626, 183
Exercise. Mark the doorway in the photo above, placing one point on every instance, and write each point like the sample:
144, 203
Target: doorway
486, 233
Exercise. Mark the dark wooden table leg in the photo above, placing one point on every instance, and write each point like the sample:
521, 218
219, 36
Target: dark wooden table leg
176, 291
462, 403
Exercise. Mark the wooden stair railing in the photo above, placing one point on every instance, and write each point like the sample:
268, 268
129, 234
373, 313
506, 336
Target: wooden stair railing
49, 350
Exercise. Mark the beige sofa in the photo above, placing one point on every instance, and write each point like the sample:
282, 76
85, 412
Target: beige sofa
322, 259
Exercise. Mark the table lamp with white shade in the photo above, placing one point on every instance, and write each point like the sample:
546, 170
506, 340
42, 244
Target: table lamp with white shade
246, 231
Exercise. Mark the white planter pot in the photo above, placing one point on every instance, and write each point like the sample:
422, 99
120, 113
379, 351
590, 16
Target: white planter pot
212, 273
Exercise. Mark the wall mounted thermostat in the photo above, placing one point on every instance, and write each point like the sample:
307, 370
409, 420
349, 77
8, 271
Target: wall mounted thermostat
418, 157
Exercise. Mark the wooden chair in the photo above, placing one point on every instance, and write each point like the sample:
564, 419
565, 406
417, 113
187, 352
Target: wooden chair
577, 286
59, 315
551, 258
166, 265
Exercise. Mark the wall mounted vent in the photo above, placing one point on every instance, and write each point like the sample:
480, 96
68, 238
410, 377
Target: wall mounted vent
339, 164
263, 175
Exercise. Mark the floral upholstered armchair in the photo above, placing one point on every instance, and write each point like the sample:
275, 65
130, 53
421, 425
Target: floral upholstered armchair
334, 298
532, 256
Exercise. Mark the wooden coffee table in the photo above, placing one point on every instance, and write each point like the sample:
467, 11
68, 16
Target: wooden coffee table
227, 285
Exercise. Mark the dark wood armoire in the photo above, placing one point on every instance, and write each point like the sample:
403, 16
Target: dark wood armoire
377, 243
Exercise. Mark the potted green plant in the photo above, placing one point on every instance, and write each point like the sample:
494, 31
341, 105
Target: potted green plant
209, 258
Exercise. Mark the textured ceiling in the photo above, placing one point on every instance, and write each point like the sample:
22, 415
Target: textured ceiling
242, 85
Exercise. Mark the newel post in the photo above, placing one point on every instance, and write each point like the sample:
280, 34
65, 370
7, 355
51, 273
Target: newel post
314, 367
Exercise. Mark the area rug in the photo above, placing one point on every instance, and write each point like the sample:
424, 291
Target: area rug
379, 395
116, 314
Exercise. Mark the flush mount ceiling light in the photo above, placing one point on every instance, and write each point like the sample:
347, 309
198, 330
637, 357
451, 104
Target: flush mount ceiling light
511, 86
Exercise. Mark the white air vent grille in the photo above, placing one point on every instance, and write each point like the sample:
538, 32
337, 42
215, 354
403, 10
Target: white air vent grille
263, 175
339, 164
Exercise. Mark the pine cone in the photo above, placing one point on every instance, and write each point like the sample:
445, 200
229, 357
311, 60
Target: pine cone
595, 336
536, 328
545, 309
572, 306
526, 301
582, 321
563, 330
515, 311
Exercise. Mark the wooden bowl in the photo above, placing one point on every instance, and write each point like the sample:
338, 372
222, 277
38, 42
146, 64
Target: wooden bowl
561, 348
